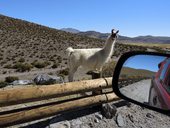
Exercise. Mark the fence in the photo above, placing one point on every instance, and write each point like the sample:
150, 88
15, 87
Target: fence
34, 93
21, 95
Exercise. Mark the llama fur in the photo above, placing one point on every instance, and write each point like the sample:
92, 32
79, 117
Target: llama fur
91, 59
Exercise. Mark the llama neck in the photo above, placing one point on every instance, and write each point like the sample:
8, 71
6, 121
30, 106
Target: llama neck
109, 45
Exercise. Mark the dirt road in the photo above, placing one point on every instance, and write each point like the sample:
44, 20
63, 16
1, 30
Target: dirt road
138, 91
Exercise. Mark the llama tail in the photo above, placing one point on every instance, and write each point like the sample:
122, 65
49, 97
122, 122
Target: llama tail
69, 50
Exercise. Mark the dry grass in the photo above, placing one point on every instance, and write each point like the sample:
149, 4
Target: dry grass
127, 72
150, 45
26, 42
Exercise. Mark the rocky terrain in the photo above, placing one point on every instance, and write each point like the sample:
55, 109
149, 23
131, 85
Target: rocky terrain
27, 46
131, 116
124, 115
27, 49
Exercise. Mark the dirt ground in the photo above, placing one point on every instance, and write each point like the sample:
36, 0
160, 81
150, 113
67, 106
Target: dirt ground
126, 117
132, 116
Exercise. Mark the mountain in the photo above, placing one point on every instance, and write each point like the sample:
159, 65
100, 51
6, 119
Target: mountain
23, 40
71, 30
152, 39
30, 42
94, 34
139, 39
124, 39
131, 72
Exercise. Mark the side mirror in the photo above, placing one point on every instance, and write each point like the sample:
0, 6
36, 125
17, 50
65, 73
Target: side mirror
137, 78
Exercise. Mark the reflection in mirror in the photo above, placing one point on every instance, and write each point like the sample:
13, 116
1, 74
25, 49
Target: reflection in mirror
146, 79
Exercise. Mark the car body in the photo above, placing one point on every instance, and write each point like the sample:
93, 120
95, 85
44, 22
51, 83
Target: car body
159, 94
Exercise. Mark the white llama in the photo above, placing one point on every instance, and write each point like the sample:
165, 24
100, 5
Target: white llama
91, 59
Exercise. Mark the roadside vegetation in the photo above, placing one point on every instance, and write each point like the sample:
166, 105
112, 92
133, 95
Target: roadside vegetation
27, 46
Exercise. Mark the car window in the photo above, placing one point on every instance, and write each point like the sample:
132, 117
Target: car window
164, 70
166, 85
165, 75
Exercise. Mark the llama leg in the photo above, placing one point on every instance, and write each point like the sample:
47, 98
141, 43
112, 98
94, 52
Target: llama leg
72, 68
71, 74
101, 72
70, 77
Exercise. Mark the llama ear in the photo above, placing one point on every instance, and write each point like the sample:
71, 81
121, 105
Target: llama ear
112, 31
117, 31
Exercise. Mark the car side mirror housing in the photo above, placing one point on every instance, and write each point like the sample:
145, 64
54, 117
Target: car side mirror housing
137, 79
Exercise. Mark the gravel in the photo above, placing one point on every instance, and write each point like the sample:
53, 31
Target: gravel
125, 117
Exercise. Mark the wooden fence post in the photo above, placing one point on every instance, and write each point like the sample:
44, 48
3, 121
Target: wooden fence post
96, 75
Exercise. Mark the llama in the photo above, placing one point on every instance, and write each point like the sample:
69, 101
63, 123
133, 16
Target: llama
91, 59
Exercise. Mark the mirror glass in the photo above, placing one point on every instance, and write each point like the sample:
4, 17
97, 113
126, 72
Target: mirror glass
146, 79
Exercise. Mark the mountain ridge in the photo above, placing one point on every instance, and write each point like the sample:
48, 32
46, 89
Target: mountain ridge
71, 30
23, 42
125, 39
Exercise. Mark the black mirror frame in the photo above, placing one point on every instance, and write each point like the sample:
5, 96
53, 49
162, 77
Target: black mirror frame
116, 74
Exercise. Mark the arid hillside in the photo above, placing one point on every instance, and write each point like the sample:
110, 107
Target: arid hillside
28, 49
22, 39
30, 44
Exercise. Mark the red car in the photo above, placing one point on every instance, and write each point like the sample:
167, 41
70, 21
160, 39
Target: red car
159, 95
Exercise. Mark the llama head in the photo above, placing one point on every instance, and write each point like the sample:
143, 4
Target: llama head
114, 33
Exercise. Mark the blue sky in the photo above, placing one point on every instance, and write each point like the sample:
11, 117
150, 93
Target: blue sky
131, 17
147, 62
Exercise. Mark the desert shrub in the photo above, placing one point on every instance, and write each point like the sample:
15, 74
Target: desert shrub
17, 65
3, 62
59, 58
50, 73
47, 63
10, 79
65, 59
4, 72
64, 72
55, 65
3, 84
52, 59
22, 67
26, 67
108, 69
39, 64
8, 66
33, 63
21, 60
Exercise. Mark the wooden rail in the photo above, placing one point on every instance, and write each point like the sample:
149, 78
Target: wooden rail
37, 93
11, 118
